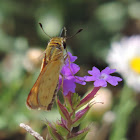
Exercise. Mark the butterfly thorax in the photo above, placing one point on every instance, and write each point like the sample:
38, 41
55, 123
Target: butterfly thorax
55, 49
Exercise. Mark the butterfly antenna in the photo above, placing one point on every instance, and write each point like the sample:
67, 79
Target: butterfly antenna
43, 30
75, 34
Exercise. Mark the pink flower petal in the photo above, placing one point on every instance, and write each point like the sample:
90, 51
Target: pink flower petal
94, 71
113, 80
107, 70
100, 82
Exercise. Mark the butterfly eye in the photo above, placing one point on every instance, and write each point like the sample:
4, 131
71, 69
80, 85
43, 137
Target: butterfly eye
64, 44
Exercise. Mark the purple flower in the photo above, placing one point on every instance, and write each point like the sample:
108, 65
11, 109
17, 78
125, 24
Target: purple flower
101, 78
67, 78
71, 58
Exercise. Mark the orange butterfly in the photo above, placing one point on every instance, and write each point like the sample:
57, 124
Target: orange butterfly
44, 90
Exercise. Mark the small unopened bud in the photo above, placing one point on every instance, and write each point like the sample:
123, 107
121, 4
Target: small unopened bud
63, 111
80, 115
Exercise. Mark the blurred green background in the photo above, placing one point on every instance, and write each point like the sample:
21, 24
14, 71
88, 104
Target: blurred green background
22, 42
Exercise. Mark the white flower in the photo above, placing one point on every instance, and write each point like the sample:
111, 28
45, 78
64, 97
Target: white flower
125, 57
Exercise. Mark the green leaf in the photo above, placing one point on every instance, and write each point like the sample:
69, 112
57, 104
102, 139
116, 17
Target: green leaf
53, 132
61, 130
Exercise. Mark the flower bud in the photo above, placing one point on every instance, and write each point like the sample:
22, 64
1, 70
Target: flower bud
63, 111
80, 115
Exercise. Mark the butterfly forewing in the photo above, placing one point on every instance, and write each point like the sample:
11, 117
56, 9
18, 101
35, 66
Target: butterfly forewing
43, 92
46, 92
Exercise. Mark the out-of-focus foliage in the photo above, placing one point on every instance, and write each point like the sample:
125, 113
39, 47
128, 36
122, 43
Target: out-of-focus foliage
102, 21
